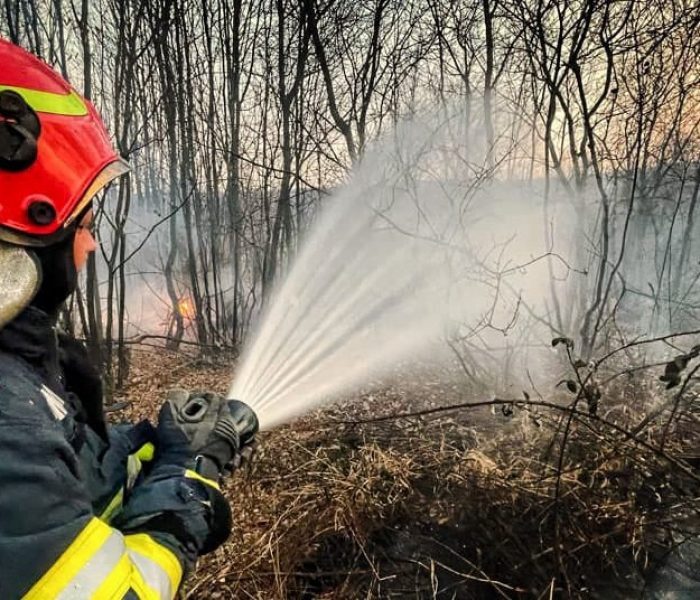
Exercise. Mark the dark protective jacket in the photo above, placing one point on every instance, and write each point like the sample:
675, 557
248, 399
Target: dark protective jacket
79, 516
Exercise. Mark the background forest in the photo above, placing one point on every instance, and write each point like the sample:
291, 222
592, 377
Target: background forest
240, 119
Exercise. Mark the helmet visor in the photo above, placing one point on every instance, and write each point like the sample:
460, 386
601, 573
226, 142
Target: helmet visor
111, 172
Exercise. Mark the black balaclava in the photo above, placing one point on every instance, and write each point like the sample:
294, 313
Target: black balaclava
59, 280
59, 276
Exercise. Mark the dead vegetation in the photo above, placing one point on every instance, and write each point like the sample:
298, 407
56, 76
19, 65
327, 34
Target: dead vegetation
470, 503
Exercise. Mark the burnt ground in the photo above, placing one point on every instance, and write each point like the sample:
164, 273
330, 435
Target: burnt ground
468, 504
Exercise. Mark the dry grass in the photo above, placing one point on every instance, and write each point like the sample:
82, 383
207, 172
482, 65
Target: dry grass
440, 507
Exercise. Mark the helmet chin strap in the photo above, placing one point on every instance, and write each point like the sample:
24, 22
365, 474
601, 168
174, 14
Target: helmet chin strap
20, 276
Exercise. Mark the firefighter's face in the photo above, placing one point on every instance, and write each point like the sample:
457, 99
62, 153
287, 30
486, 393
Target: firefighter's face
84, 243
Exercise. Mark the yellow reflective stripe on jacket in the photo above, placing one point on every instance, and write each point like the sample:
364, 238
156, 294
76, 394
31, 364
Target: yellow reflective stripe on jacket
114, 506
134, 463
159, 567
101, 563
97, 569
142, 591
70, 105
117, 584
146, 452
133, 468
190, 474
83, 548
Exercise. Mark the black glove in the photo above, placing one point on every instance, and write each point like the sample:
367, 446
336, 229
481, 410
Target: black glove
218, 434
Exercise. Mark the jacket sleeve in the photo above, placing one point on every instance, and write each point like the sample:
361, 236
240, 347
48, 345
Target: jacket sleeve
51, 543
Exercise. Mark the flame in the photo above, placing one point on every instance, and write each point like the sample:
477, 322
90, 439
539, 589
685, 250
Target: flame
186, 309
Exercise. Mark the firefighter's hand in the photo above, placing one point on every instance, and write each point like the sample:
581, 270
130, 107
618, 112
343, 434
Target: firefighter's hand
216, 433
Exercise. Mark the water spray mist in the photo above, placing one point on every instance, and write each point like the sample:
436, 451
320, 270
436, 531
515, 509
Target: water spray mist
395, 259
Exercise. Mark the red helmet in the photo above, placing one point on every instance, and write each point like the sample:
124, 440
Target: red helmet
55, 153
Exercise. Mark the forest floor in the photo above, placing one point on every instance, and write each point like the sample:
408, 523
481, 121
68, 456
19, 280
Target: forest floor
476, 503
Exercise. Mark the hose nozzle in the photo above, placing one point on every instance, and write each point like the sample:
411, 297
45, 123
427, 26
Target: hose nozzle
245, 420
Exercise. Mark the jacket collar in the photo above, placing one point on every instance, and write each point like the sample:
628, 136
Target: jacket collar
32, 336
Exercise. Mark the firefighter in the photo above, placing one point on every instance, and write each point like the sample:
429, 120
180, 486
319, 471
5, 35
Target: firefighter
87, 510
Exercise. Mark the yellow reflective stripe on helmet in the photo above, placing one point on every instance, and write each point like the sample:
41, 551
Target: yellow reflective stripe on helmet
159, 567
70, 105
73, 559
190, 474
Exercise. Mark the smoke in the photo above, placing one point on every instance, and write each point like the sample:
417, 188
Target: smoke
423, 244
148, 308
